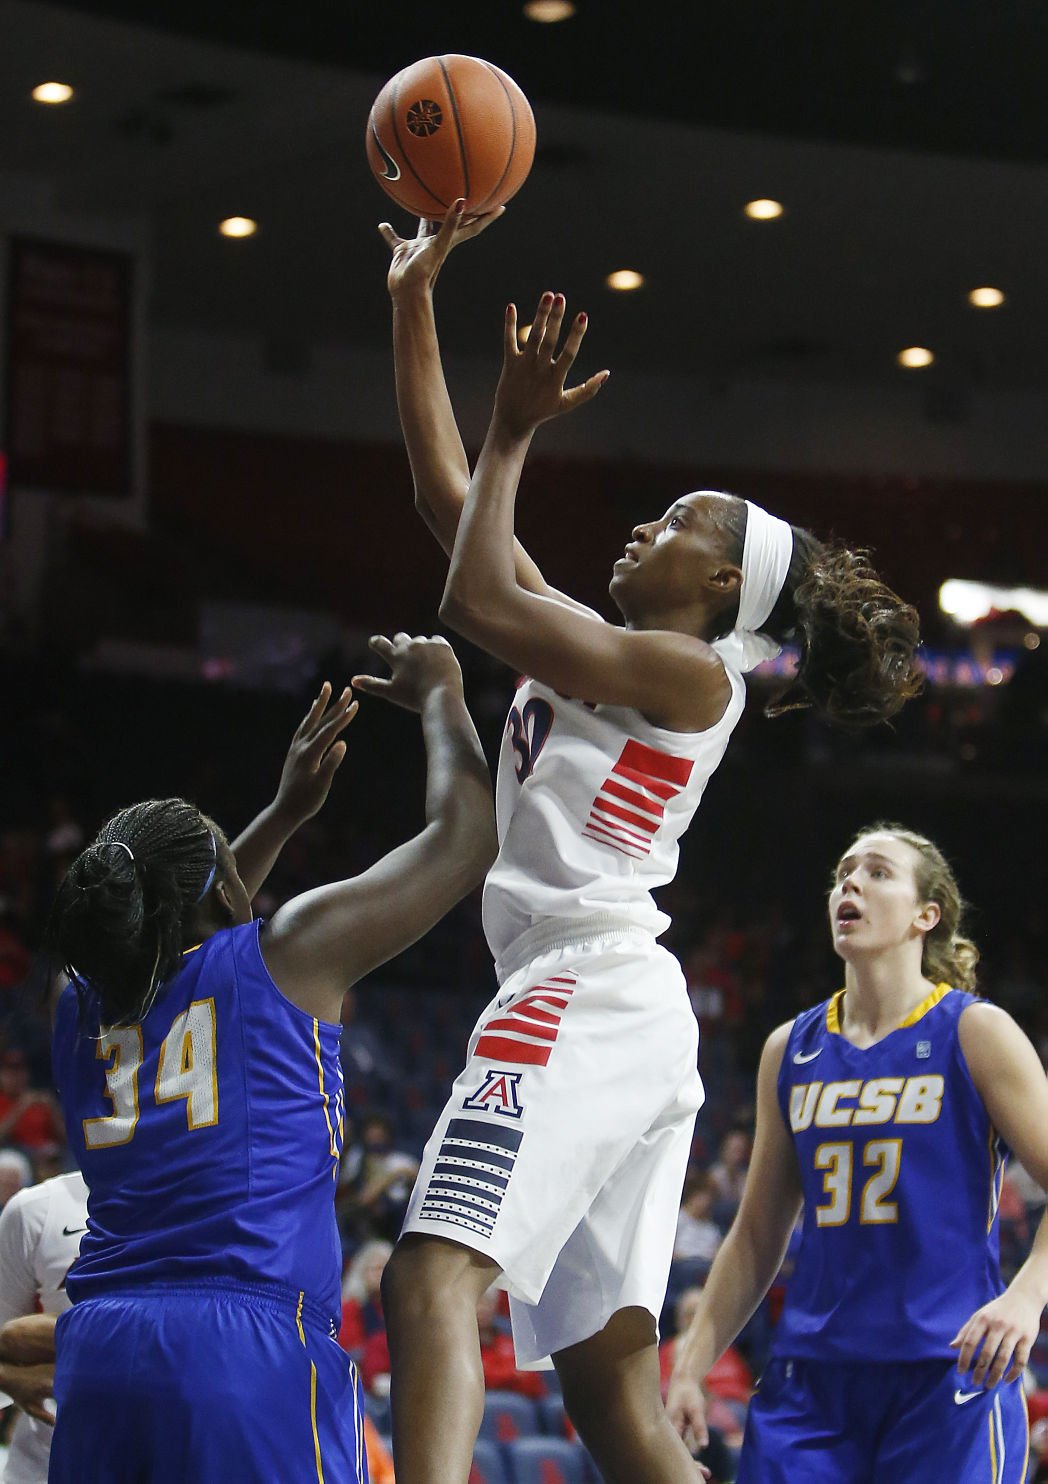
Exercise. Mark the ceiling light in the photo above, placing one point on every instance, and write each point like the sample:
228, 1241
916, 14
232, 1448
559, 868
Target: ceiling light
967, 602
52, 92
763, 209
623, 280
914, 357
548, 11
238, 226
986, 298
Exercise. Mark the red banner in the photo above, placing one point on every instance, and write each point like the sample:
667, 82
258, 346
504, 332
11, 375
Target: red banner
69, 363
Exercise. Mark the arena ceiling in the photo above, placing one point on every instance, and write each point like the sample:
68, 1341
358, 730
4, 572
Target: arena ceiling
907, 140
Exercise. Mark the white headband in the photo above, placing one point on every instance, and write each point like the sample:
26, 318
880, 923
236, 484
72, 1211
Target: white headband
766, 556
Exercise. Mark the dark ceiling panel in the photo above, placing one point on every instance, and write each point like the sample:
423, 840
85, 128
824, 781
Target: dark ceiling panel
959, 76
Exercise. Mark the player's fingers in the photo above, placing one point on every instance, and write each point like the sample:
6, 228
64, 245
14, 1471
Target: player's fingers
40, 1412
509, 334
332, 760
551, 328
381, 645
316, 710
538, 324
445, 230
965, 1344
371, 685
389, 237
343, 714
577, 395
1020, 1360
986, 1357
1007, 1359
473, 226
572, 340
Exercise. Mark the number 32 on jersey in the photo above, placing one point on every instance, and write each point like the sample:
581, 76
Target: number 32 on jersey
187, 1069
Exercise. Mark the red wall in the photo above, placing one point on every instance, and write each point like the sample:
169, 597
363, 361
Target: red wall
332, 525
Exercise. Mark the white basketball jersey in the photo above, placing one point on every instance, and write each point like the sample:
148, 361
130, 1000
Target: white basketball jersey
591, 801
40, 1232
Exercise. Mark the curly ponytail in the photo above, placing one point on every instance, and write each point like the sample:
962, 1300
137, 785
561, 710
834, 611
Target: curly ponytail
858, 639
119, 918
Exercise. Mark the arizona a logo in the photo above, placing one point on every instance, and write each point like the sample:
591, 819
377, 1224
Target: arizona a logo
498, 1093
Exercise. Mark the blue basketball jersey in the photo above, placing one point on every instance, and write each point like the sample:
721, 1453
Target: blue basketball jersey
209, 1133
901, 1171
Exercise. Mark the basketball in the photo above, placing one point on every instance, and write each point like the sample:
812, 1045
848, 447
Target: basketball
450, 127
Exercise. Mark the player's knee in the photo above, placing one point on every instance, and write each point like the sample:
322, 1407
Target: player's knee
426, 1276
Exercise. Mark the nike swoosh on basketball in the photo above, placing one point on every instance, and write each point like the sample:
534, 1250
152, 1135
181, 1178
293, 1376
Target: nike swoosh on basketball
71, 1231
960, 1397
392, 170
801, 1056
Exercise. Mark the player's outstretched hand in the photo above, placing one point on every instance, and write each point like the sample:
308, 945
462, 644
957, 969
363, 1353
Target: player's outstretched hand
531, 388
997, 1340
315, 755
418, 666
686, 1409
417, 261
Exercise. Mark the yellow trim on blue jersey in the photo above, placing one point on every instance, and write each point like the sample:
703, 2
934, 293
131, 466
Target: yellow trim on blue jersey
833, 1014
833, 1009
1026, 1417
332, 1145
191, 950
928, 1003
313, 1420
298, 1315
994, 1476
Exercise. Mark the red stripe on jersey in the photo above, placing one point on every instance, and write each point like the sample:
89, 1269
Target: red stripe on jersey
532, 1012
604, 838
654, 764
561, 979
616, 827
523, 1027
499, 1048
639, 801
607, 807
664, 790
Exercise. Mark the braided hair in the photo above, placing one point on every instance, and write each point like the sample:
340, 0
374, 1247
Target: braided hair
857, 638
120, 917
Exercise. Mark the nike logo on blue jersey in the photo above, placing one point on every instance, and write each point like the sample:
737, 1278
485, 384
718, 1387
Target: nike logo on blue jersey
800, 1056
960, 1397
392, 170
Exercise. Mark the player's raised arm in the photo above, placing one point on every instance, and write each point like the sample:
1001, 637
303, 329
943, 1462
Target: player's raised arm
322, 942
750, 1255
313, 758
439, 466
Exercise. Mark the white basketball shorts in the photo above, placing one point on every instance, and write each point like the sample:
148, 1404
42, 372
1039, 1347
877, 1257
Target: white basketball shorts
562, 1150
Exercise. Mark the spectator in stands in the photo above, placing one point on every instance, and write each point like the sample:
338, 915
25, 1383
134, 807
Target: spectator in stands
364, 1058
15, 1174
29, 1116
728, 1388
698, 1235
362, 1296
377, 1199
728, 1172
497, 1355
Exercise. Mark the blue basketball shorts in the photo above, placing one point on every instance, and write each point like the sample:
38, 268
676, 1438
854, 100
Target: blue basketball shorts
208, 1383
823, 1422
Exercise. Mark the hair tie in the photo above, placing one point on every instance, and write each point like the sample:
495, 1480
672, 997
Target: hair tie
121, 846
214, 867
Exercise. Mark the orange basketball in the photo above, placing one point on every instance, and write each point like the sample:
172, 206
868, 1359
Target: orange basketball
450, 127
